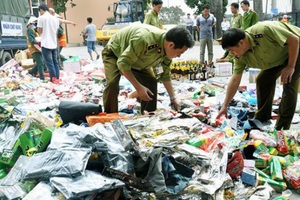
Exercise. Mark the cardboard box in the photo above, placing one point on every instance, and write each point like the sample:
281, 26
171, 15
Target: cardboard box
20, 55
27, 63
223, 69
249, 177
72, 65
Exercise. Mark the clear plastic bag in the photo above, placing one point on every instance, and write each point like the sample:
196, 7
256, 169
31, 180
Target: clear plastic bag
42, 191
13, 192
84, 185
65, 162
103, 140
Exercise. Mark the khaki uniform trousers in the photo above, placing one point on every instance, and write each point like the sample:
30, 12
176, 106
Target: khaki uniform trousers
265, 86
113, 75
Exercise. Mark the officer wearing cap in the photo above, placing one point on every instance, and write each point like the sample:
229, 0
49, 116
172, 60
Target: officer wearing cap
142, 53
272, 47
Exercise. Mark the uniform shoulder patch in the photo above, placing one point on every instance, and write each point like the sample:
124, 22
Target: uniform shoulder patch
152, 46
258, 36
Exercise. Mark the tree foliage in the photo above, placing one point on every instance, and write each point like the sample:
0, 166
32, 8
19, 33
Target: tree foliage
198, 4
171, 15
60, 5
146, 2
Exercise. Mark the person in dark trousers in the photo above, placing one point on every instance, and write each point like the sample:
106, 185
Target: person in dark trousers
195, 29
250, 17
189, 23
142, 53
47, 28
34, 50
273, 47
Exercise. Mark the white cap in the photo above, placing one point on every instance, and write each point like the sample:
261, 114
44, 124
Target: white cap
31, 20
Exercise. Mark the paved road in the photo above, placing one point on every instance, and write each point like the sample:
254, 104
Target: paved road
81, 51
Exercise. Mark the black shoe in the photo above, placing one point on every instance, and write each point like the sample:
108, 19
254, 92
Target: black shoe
32, 73
98, 56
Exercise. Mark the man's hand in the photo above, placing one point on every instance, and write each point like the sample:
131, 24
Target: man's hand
223, 111
175, 104
143, 94
39, 44
286, 74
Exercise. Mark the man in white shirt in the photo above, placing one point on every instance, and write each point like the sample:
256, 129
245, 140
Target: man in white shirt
195, 29
47, 29
225, 25
189, 23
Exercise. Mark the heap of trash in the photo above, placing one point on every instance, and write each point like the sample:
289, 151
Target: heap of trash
57, 143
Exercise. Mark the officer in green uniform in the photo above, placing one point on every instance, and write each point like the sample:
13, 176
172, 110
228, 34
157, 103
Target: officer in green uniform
250, 17
33, 50
142, 53
272, 47
236, 20
151, 17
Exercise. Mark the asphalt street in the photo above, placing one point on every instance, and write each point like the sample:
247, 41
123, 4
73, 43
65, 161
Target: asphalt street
194, 52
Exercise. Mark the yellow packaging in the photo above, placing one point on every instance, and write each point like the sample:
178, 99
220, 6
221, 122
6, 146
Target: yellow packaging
273, 151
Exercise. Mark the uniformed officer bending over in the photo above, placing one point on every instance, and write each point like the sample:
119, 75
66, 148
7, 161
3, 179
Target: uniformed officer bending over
272, 47
142, 53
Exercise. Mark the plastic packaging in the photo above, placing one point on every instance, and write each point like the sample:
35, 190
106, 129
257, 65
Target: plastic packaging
208, 141
13, 192
102, 138
84, 185
282, 142
264, 137
65, 162
42, 191
103, 118
263, 192
292, 174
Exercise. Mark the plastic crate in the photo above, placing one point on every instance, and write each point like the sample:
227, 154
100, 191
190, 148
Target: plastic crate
103, 118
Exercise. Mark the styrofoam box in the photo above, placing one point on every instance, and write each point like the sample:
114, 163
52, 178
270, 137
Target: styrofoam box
223, 69
72, 66
253, 72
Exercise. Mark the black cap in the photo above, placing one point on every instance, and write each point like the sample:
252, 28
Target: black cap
43, 7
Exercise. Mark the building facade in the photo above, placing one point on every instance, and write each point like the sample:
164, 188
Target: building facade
98, 10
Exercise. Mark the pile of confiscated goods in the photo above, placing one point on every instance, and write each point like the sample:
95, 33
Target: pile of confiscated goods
56, 143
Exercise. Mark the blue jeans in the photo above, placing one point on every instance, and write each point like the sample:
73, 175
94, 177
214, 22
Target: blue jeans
91, 46
51, 60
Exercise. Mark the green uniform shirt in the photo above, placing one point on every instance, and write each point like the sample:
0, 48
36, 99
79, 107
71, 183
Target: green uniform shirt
236, 21
31, 34
249, 19
151, 18
269, 49
141, 47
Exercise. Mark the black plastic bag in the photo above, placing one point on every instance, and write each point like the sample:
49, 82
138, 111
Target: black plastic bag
72, 111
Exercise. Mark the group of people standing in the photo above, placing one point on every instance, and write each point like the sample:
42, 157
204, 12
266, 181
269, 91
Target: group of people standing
46, 38
202, 26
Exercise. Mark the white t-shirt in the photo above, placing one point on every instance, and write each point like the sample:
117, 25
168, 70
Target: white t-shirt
49, 24
225, 25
